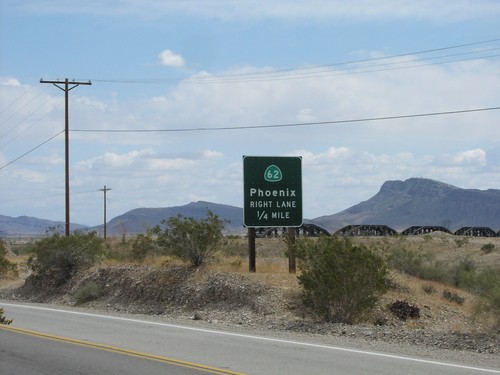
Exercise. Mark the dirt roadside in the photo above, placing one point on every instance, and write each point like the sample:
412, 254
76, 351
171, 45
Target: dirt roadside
271, 305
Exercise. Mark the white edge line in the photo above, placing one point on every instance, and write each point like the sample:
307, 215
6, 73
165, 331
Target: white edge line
261, 338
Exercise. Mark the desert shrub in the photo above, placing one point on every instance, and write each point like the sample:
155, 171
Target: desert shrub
427, 238
488, 248
464, 273
462, 241
3, 319
237, 263
340, 280
143, 245
417, 263
429, 288
453, 297
55, 259
404, 310
6, 267
88, 292
20, 248
191, 239
117, 249
234, 246
487, 286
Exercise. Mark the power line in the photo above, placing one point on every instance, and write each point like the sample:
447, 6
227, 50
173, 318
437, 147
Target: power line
318, 123
305, 72
296, 74
21, 107
356, 68
324, 73
25, 92
289, 125
30, 126
33, 149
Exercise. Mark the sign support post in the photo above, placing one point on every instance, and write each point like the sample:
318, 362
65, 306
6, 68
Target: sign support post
272, 198
292, 265
251, 250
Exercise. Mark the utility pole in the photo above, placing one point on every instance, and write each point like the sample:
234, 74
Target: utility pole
66, 88
104, 190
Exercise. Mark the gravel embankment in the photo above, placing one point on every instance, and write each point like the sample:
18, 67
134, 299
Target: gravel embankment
236, 303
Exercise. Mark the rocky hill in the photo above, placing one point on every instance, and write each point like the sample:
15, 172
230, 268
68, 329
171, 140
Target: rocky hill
398, 204
141, 219
420, 201
12, 226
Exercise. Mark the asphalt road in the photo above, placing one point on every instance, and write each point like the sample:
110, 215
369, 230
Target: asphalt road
202, 349
28, 353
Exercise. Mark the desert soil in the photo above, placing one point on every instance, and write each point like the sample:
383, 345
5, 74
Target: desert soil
224, 296
270, 304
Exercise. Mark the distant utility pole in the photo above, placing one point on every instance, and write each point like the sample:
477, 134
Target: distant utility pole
104, 190
66, 88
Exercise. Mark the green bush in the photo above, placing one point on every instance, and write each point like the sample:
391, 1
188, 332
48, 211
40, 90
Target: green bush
464, 273
6, 267
191, 239
340, 280
487, 285
117, 249
232, 245
462, 241
453, 297
88, 292
488, 248
418, 263
143, 245
55, 259
429, 289
3, 319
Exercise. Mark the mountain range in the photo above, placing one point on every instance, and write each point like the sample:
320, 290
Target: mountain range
140, 220
27, 225
398, 204
420, 201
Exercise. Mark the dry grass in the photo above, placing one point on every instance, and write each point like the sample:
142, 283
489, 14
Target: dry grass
11, 281
445, 247
437, 313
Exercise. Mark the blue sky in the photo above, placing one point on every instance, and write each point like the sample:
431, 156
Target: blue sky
170, 66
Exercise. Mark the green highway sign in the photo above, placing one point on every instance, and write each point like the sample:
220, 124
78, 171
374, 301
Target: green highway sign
272, 191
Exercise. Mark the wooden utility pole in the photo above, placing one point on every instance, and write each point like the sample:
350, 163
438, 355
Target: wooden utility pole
104, 190
68, 86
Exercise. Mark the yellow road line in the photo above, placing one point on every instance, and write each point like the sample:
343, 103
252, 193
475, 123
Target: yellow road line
176, 362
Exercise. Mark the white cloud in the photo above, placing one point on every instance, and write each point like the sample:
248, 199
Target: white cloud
475, 158
169, 58
333, 97
471, 157
343, 163
8, 81
170, 164
306, 115
111, 160
338, 152
210, 154
333, 179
